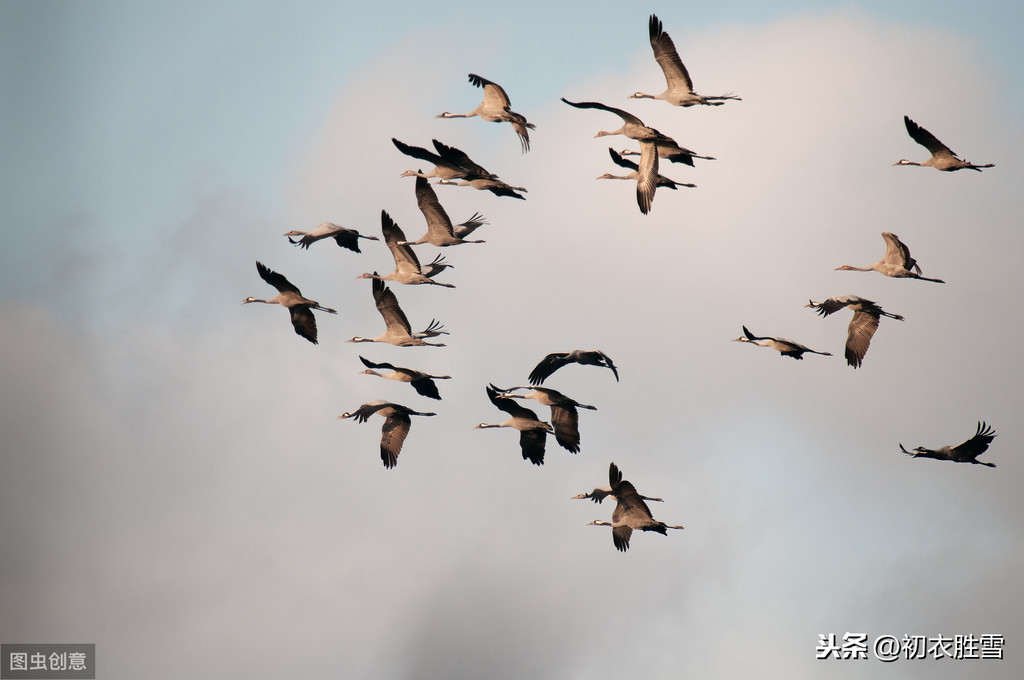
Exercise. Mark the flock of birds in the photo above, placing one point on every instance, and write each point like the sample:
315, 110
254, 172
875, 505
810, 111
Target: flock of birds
452, 166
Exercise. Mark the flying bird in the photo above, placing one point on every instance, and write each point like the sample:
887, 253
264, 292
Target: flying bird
965, 452
631, 512
422, 382
942, 158
680, 87
646, 175
564, 417
440, 230
407, 265
670, 151
896, 262
495, 186
632, 127
863, 325
397, 422
343, 236
496, 107
398, 330
554, 361
533, 431
449, 162
288, 295
787, 348
600, 493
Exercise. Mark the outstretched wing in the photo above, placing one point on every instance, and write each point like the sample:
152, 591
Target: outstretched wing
976, 445
925, 138
676, 75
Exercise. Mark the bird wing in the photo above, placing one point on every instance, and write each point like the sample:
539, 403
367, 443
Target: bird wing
565, 420
494, 94
303, 322
976, 445
676, 75
925, 138
363, 413
393, 434
521, 127
532, 444
622, 162
897, 252
548, 365
620, 536
370, 364
438, 222
276, 280
831, 305
614, 477
609, 364
751, 336
426, 387
387, 305
459, 158
647, 179
625, 115
405, 259
469, 226
862, 327
347, 238
508, 405
418, 152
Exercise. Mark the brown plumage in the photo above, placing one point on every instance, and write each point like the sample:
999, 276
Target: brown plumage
554, 361
440, 230
343, 236
942, 158
397, 422
786, 348
288, 295
398, 331
422, 382
407, 266
449, 162
679, 91
496, 107
646, 175
533, 431
863, 325
896, 262
564, 417
631, 512
964, 452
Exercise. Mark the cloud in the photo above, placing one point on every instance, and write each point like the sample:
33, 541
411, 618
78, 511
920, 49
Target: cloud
182, 482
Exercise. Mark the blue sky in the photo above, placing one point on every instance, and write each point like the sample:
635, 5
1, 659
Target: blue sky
175, 486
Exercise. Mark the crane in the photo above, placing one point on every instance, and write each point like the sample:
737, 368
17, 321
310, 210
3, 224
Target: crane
497, 108
863, 325
532, 430
896, 262
964, 452
396, 426
942, 158
288, 295
680, 87
631, 512
787, 348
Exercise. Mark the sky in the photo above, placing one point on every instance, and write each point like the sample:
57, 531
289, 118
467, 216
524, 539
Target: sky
175, 485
